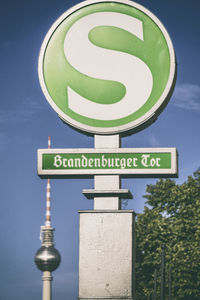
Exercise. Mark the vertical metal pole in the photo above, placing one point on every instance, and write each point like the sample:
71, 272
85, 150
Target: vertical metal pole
155, 285
107, 182
162, 290
170, 283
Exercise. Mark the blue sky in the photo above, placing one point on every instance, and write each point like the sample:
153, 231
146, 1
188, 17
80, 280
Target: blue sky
26, 121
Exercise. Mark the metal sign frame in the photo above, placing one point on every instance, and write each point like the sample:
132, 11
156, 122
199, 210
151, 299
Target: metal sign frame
133, 172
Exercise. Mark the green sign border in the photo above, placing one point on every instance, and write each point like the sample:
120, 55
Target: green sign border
133, 125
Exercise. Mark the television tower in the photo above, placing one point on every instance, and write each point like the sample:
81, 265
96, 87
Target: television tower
47, 258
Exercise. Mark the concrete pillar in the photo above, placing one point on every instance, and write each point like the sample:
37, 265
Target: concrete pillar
106, 238
107, 182
106, 255
47, 278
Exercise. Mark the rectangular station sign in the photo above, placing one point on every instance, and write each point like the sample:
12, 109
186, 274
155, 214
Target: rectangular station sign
134, 162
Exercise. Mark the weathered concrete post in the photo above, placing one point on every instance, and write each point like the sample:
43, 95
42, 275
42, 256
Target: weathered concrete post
106, 247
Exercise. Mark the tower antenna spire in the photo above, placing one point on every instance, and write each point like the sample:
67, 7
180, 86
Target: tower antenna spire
48, 195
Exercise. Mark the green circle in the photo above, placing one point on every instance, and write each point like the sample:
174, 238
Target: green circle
58, 74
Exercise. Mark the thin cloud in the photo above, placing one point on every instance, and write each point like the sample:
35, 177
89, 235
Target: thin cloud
69, 278
22, 113
5, 44
154, 141
187, 96
4, 140
8, 140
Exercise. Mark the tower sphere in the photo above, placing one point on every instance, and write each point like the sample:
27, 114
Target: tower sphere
47, 258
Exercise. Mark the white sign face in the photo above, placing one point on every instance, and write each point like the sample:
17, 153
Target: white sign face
107, 66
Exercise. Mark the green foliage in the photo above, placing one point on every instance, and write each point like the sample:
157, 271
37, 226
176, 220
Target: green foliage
172, 217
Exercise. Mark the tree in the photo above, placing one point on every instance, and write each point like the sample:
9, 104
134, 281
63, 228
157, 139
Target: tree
172, 217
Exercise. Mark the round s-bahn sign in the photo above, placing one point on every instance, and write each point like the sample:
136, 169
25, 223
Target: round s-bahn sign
107, 66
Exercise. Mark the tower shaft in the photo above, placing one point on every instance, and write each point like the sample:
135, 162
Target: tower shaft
47, 258
47, 291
